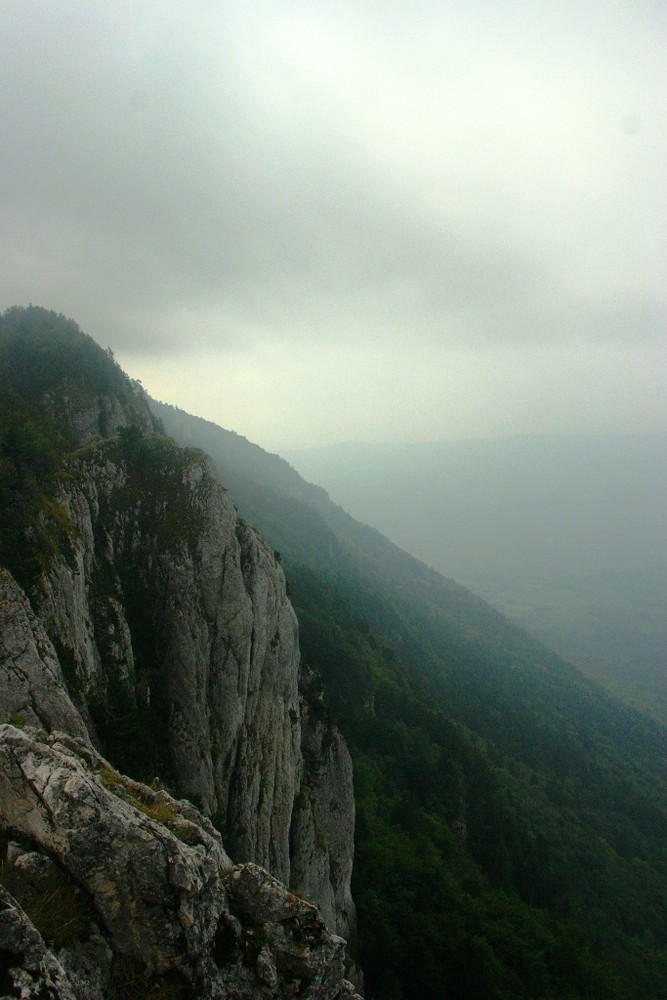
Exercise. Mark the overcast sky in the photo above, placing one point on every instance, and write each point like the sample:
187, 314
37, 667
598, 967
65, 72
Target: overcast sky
318, 221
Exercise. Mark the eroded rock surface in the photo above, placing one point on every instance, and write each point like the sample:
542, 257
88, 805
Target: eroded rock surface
170, 603
172, 600
323, 816
32, 686
164, 897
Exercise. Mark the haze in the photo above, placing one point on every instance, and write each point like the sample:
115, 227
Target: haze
311, 222
565, 535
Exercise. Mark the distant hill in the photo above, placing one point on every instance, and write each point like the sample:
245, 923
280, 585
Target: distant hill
566, 535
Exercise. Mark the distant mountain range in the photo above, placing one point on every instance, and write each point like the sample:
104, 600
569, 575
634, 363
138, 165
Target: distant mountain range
566, 535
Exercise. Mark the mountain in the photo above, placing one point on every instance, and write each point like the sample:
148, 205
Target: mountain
147, 637
187, 708
566, 535
524, 807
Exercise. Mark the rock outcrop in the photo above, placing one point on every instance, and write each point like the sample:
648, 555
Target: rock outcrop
323, 816
170, 604
176, 605
150, 889
158, 634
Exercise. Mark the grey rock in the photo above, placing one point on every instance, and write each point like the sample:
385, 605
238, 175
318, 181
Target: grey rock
38, 867
323, 817
160, 607
27, 967
32, 686
226, 648
156, 895
284, 940
90, 415
175, 908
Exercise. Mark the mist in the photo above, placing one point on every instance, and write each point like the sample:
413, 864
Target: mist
565, 534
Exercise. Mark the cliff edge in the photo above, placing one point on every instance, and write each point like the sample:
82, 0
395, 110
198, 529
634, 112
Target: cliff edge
146, 623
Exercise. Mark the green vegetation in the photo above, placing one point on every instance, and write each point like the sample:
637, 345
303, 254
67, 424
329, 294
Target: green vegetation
50, 374
61, 398
134, 734
564, 534
507, 871
611, 623
49, 361
33, 526
151, 504
510, 814
150, 804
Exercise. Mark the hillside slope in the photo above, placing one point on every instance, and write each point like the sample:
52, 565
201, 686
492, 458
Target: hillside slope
523, 807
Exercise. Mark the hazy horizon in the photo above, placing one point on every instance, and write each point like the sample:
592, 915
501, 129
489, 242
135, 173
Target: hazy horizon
313, 223
361, 442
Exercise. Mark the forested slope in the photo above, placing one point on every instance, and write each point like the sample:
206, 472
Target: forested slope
510, 814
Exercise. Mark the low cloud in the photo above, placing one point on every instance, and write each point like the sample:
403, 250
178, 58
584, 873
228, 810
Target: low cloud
251, 183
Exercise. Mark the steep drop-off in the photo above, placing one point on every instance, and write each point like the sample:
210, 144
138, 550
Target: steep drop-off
510, 815
155, 625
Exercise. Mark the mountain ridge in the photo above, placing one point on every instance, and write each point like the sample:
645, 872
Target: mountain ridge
509, 814
154, 626
563, 533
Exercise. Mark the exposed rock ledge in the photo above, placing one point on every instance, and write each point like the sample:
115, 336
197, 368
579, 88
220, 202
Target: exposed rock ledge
149, 889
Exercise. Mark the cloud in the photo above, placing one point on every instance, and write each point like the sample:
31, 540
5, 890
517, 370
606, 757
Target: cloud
249, 178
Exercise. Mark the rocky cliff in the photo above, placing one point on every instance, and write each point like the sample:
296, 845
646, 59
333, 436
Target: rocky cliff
135, 894
158, 632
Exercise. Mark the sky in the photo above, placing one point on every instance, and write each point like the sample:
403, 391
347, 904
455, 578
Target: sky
313, 222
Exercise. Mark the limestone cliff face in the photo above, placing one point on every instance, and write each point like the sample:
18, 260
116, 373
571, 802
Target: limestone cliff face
161, 631
168, 601
323, 817
157, 634
32, 688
